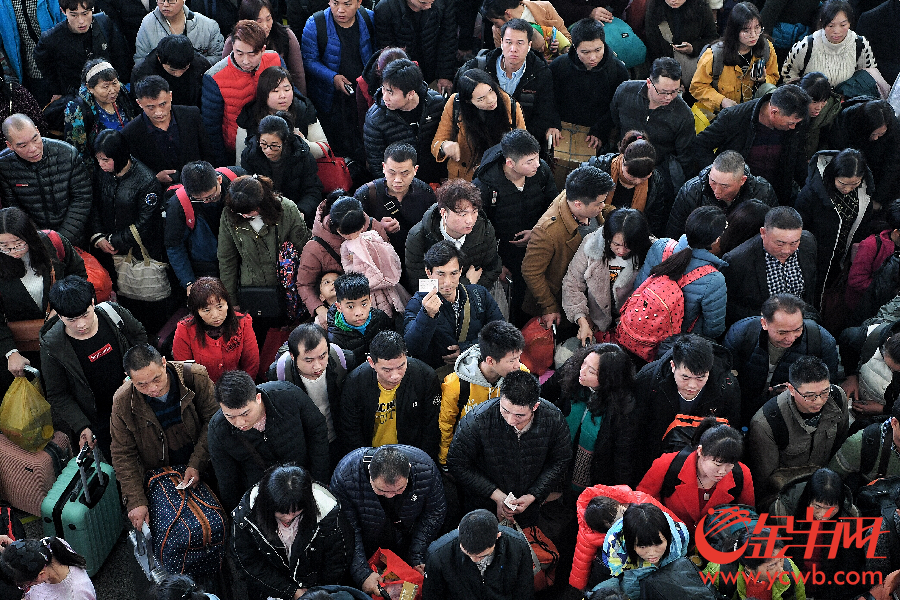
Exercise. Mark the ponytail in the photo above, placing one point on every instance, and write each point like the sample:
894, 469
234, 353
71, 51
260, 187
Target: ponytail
674, 266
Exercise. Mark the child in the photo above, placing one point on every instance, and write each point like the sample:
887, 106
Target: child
352, 321
764, 579
47, 569
325, 285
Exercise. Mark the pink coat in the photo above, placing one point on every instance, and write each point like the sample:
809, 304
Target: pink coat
867, 260
375, 258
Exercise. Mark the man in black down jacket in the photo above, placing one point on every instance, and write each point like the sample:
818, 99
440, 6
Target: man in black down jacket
391, 399
516, 444
404, 110
427, 29
260, 426
175, 60
481, 560
46, 179
394, 499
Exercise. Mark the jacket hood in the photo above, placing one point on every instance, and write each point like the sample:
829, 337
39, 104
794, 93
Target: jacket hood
467, 368
701, 254
816, 172
492, 160
615, 550
325, 501
594, 244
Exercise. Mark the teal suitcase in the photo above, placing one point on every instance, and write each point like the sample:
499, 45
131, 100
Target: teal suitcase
83, 508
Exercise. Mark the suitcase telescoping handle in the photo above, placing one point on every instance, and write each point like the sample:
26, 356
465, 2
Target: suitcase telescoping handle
81, 461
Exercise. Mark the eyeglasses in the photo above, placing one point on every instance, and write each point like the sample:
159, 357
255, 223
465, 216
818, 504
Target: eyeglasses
751, 30
249, 215
810, 396
13, 249
204, 199
265, 146
665, 93
162, 2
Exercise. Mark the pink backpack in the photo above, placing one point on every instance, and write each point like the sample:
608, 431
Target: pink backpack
655, 310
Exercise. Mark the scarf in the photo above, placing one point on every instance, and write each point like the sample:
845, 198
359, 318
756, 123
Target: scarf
640, 190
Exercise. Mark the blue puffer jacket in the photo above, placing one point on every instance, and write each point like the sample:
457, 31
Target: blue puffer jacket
320, 70
704, 299
48, 15
421, 510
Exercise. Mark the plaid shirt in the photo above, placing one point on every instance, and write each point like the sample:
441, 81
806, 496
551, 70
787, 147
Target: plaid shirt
784, 278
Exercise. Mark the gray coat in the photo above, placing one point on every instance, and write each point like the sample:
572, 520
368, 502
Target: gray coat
202, 31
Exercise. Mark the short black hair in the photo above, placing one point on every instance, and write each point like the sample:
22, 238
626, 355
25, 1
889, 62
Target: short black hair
830, 10
518, 25
198, 177
175, 51
704, 226
71, 296
666, 67
441, 253
586, 30
788, 303
783, 217
645, 525
791, 100
351, 286
586, 183
113, 144
694, 353
496, 9
306, 336
387, 345
600, 513
275, 125
478, 531
521, 388
150, 87
235, 389
140, 357
816, 85
403, 74
498, 338
390, 464
401, 152
65, 5
891, 347
808, 369
347, 215
518, 143
892, 214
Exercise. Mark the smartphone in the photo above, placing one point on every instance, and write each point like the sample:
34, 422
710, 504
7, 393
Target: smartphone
553, 35
349, 88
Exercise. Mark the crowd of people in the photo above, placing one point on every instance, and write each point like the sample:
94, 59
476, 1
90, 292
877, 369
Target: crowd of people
412, 195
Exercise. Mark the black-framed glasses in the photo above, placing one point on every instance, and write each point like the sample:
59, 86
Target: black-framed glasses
664, 93
13, 249
265, 146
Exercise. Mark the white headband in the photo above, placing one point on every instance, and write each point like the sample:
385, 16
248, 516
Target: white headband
99, 67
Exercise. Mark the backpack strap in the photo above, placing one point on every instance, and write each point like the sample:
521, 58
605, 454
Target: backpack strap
185, 201
455, 121
809, 45
112, 313
106, 25
188, 373
772, 413
671, 478
669, 250
368, 21
327, 247
467, 317
814, 341
738, 473
465, 391
228, 173
859, 49
321, 32
57, 242
342, 358
874, 340
718, 63
281, 365
692, 276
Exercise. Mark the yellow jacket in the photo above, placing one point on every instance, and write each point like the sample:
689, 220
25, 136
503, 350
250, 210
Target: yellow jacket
733, 84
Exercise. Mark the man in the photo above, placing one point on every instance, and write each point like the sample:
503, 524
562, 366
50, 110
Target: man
765, 347
517, 445
427, 29
21, 25
870, 453
258, 426
175, 60
655, 107
692, 378
394, 499
168, 402
516, 188
434, 329
191, 245
173, 17
801, 427
540, 13
557, 236
404, 110
781, 260
400, 198
764, 131
391, 399
231, 83
727, 183
478, 375
871, 354
524, 75
456, 217
46, 179
165, 137
81, 359
63, 50
481, 559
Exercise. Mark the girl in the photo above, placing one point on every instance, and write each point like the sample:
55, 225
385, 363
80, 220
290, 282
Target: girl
47, 569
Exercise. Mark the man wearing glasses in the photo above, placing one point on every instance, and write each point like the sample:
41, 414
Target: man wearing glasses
173, 17
800, 428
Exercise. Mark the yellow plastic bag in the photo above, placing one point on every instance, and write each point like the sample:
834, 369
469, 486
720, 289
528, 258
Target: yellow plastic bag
25, 416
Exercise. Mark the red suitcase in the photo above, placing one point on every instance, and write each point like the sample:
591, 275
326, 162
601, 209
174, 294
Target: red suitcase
26, 477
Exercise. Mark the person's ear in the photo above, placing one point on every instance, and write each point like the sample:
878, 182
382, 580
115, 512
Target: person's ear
536, 406
259, 397
762, 231
415, 170
428, 273
672, 364
498, 535
743, 180
762, 321
370, 361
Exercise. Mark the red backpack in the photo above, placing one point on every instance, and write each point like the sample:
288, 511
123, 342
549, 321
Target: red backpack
185, 200
655, 310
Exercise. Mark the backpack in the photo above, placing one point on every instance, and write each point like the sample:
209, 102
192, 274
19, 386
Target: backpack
670, 480
322, 29
679, 579
626, 45
883, 287
680, 432
772, 413
809, 45
96, 274
718, 62
185, 200
655, 310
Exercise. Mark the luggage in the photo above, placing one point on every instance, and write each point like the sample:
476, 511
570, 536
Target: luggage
544, 556
539, 346
83, 508
26, 477
678, 579
680, 432
145, 568
188, 525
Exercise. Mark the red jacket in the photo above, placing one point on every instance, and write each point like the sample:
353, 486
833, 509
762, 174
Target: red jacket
869, 257
590, 541
685, 501
240, 352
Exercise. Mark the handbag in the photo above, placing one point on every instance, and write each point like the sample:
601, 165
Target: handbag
141, 279
539, 347
333, 171
260, 302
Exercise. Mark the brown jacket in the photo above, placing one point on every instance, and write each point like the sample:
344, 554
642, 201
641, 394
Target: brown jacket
544, 15
554, 241
138, 440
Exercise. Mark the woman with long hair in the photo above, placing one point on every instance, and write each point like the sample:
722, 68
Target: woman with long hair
748, 61
601, 275
289, 535
47, 569
474, 119
30, 262
178, 587
680, 29
214, 334
743, 223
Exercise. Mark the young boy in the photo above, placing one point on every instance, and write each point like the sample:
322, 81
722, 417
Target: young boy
352, 320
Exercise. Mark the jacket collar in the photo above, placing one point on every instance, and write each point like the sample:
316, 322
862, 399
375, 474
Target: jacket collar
175, 370
565, 213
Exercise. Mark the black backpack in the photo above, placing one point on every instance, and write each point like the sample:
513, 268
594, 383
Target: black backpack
670, 481
772, 413
679, 579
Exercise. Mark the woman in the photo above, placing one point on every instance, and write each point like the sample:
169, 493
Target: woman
47, 569
871, 254
706, 477
30, 262
275, 93
834, 49
601, 275
289, 535
285, 159
99, 106
254, 226
214, 334
835, 205
178, 587
681, 29
744, 223
279, 38
823, 111
474, 119
643, 540
749, 64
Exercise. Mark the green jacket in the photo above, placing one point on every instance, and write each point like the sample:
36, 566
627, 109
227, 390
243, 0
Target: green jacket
250, 259
848, 459
793, 590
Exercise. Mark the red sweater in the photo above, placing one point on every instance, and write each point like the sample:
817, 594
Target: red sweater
240, 352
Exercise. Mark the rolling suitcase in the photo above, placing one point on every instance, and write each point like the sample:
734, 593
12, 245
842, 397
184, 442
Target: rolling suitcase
26, 477
83, 508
